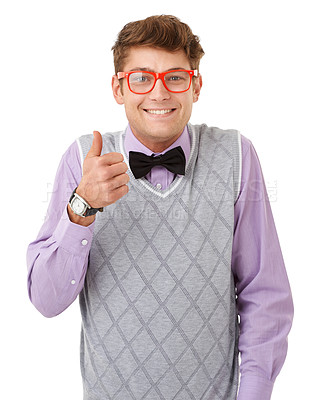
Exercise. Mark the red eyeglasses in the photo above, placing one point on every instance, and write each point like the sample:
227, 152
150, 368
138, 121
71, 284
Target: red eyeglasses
175, 81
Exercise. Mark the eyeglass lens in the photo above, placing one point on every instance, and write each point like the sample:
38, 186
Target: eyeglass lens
176, 81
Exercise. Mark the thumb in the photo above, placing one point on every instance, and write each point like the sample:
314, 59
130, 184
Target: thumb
96, 146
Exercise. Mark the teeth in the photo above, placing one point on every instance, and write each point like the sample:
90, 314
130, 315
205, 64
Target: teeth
159, 112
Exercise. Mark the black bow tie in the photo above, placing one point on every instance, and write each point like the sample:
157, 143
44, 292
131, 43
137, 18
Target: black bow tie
174, 160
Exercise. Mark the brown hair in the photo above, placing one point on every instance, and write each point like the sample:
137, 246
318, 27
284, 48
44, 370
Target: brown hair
162, 31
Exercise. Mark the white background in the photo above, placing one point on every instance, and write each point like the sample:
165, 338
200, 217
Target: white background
261, 76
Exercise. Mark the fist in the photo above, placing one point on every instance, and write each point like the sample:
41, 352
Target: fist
104, 179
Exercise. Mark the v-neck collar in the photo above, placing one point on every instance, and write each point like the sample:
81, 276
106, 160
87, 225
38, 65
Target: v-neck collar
143, 182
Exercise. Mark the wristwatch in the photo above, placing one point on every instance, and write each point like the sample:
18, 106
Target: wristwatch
80, 207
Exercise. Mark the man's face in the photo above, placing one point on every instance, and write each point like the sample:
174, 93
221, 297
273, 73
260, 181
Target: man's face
156, 131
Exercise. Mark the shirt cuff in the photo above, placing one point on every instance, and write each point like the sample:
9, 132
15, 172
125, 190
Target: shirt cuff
254, 387
73, 238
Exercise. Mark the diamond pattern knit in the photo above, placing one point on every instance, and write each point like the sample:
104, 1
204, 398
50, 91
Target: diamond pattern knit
159, 318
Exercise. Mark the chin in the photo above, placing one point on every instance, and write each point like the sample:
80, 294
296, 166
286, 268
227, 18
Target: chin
165, 132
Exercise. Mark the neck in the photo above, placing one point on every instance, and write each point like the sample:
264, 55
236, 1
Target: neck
157, 145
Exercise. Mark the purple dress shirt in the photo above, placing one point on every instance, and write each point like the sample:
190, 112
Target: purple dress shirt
57, 262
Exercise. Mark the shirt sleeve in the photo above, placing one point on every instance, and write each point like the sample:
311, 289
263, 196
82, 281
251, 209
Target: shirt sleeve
264, 297
57, 260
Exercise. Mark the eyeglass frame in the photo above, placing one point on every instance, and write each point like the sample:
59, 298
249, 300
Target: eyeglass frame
158, 75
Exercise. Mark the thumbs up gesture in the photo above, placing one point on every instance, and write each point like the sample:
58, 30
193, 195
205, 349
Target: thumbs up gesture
104, 179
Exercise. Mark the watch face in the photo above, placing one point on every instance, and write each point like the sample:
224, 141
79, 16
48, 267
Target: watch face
77, 206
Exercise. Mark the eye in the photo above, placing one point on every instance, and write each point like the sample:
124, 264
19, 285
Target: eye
174, 78
177, 77
140, 77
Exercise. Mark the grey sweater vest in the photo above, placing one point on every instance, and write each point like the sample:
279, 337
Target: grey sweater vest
159, 318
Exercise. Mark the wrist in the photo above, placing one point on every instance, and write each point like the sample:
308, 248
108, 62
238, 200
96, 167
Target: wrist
76, 219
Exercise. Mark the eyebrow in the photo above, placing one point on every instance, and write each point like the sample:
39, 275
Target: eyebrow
151, 70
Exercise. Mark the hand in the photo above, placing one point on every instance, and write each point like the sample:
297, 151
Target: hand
104, 179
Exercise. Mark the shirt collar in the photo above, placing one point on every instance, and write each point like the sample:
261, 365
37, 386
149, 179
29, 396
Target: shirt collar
131, 143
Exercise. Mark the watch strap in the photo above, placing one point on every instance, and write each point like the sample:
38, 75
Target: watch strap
92, 211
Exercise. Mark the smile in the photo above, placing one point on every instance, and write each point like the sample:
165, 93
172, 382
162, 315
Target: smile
159, 112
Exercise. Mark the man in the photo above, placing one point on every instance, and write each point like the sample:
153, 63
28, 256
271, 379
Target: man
186, 243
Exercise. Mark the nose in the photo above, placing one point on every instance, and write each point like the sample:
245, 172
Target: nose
159, 92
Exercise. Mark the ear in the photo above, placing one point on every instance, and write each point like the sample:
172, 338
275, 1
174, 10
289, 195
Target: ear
197, 85
116, 90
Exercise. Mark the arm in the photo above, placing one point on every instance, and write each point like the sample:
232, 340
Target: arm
57, 260
264, 297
